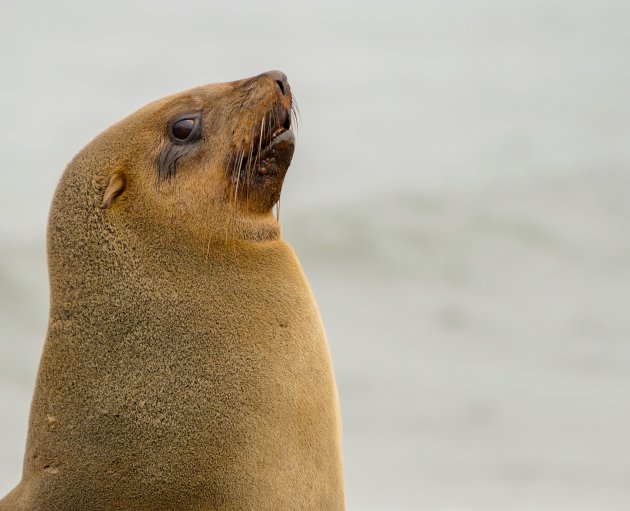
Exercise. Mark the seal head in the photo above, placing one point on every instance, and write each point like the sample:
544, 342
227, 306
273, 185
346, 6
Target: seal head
218, 162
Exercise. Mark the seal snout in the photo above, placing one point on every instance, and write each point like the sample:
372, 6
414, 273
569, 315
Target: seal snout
263, 145
282, 82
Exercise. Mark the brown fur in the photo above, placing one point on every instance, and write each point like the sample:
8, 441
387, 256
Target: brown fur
185, 366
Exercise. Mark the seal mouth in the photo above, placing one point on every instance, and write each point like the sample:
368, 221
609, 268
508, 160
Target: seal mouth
259, 164
274, 131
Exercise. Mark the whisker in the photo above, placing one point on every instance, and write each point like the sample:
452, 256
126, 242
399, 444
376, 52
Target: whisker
262, 134
250, 165
269, 123
295, 111
238, 169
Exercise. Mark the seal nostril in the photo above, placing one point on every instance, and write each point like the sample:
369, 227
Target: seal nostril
280, 86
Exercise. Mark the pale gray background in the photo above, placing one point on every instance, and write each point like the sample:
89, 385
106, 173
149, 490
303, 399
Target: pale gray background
459, 198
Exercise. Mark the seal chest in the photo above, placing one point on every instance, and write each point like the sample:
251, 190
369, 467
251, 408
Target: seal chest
185, 365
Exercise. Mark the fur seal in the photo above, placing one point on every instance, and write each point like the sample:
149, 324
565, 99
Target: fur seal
185, 365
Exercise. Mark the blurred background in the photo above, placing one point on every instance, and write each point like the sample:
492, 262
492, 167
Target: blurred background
458, 198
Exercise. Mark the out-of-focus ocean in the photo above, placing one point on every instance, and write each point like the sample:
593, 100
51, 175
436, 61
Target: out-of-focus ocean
459, 198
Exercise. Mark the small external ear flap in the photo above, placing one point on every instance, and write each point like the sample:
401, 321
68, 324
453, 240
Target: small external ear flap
116, 186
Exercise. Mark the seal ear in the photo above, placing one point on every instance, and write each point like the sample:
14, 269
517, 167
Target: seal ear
116, 186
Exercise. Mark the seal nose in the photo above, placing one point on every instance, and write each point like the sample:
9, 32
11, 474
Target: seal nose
281, 81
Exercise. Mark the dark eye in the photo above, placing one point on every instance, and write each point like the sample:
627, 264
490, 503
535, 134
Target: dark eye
186, 129
183, 128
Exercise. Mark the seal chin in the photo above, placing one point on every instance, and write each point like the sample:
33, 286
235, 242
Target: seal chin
276, 157
264, 186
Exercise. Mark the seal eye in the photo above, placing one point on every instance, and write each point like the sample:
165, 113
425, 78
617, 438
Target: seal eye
182, 129
185, 128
